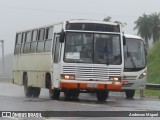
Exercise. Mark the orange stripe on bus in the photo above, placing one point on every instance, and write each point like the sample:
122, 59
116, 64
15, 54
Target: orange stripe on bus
114, 87
69, 85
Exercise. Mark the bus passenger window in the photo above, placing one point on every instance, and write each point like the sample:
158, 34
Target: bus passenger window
18, 43
49, 33
40, 46
48, 39
41, 35
27, 43
34, 41
19, 38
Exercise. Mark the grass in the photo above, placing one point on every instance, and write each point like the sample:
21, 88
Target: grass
153, 64
149, 93
152, 93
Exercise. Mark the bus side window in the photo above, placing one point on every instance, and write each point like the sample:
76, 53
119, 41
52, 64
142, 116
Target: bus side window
27, 42
34, 41
23, 40
56, 51
48, 39
18, 43
40, 46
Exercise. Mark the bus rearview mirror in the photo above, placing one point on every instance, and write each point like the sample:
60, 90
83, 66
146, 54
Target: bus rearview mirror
124, 40
62, 35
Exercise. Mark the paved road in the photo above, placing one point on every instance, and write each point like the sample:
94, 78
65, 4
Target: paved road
12, 99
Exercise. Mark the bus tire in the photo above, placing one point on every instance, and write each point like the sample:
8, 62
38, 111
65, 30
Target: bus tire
67, 94
130, 93
27, 90
54, 93
102, 95
75, 94
36, 91
71, 94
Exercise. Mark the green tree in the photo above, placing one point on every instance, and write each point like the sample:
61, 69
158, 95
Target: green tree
144, 26
155, 18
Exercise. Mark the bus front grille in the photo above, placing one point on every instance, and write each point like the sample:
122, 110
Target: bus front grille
91, 73
129, 77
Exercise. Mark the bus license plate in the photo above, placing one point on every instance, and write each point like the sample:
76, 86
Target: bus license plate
92, 85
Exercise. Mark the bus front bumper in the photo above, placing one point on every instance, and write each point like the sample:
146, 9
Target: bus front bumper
90, 85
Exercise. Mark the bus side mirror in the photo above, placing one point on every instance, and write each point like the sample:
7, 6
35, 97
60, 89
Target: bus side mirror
145, 52
124, 40
145, 49
62, 36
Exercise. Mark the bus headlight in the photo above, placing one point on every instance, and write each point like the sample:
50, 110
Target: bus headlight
143, 75
115, 79
68, 76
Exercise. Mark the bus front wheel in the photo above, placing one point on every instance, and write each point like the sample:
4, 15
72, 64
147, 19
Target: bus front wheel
54, 93
71, 94
102, 95
130, 93
36, 91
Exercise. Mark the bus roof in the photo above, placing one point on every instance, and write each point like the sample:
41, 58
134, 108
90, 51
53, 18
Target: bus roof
132, 36
70, 21
91, 21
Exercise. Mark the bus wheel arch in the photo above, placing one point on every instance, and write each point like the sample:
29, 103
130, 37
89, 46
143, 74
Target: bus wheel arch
25, 78
30, 91
27, 90
53, 93
47, 80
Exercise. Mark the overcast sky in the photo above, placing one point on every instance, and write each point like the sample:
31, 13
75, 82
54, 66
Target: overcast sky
17, 15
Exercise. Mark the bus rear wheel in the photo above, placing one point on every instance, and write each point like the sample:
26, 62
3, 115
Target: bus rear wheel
36, 91
27, 90
102, 95
30, 91
130, 93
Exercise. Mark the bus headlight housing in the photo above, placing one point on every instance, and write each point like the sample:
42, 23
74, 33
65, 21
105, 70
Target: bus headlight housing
143, 75
68, 76
115, 79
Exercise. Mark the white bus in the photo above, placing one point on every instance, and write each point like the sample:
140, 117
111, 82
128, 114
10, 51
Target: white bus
72, 57
135, 66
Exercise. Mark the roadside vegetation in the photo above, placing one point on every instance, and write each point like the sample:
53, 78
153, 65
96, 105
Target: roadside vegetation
153, 69
153, 64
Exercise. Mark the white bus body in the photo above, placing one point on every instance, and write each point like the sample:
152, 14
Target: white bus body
50, 57
135, 66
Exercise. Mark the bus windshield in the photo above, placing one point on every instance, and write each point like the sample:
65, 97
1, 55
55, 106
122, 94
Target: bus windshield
134, 54
92, 48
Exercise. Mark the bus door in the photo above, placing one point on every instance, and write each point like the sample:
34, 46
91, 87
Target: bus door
56, 60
